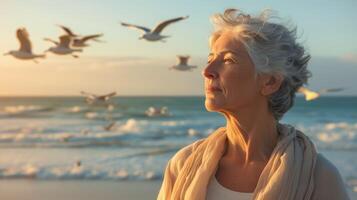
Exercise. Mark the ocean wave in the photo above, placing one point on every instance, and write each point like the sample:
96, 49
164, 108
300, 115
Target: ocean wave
77, 109
77, 133
19, 110
332, 135
77, 173
141, 164
352, 183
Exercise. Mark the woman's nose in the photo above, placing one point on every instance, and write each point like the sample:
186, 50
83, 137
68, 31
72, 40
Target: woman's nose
209, 72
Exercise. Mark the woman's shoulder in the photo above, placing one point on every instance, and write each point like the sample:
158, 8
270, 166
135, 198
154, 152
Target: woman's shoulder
178, 160
325, 167
328, 181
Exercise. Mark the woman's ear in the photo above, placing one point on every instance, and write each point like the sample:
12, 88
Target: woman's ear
271, 83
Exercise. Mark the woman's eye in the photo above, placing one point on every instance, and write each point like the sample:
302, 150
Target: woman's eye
229, 61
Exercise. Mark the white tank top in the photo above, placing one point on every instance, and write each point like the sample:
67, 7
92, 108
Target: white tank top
216, 191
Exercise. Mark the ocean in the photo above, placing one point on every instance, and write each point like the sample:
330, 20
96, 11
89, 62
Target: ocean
63, 138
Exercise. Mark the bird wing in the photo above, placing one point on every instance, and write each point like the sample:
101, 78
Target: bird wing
65, 40
84, 39
309, 94
50, 40
89, 95
23, 37
183, 59
96, 40
162, 25
144, 29
68, 31
331, 90
109, 126
108, 95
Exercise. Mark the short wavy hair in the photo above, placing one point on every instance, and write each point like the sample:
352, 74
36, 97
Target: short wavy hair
273, 48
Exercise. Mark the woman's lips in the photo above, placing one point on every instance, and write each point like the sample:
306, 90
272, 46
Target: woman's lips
213, 89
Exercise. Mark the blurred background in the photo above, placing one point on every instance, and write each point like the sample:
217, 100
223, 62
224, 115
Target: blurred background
103, 122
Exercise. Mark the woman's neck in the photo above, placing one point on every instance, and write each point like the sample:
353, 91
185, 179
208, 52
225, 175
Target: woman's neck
251, 136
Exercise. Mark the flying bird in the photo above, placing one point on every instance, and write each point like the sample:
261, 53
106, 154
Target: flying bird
109, 126
154, 35
63, 46
93, 98
68, 31
311, 95
25, 51
157, 112
182, 64
81, 42
327, 90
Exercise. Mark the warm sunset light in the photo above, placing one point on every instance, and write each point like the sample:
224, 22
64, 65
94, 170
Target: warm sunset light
99, 98
122, 62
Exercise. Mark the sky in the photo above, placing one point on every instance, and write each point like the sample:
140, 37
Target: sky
135, 67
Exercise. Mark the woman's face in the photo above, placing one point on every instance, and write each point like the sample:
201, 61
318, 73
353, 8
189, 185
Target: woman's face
231, 82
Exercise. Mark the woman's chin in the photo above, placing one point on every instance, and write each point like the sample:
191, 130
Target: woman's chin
213, 104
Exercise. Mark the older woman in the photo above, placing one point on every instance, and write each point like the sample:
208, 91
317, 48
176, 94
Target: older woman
253, 71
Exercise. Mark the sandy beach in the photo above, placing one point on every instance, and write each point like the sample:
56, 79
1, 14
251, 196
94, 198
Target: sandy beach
78, 190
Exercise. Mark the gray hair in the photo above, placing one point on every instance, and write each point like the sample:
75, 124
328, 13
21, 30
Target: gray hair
273, 49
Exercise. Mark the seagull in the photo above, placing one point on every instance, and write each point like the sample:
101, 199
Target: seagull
78, 163
311, 95
109, 126
154, 35
330, 90
82, 41
62, 47
25, 51
182, 64
155, 112
93, 98
68, 31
